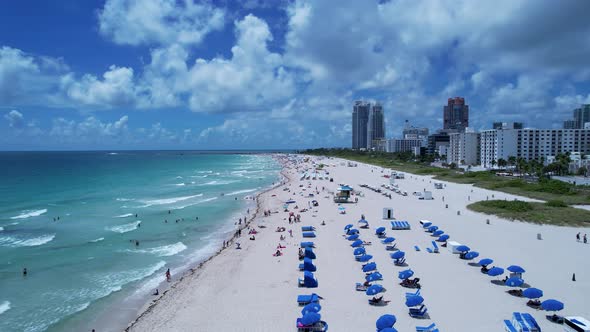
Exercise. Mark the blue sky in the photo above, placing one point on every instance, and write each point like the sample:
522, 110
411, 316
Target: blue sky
183, 74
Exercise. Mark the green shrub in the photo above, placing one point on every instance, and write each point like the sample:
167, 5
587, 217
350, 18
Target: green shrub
556, 203
513, 206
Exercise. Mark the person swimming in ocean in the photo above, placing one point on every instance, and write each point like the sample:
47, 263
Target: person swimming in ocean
168, 275
136, 243
24, 272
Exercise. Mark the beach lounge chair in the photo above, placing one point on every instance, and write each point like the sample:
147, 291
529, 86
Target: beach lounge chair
435, 247
307, 265
555, 319
308, 253
308, 234
381, 302
416, 248
416, 293
316, 327
519, 323
360, 287
420, 313
307, 245
535, 304
308, 280
400, 262
531, 322
509, 327
429, 250
428, 328
391, 248
307, 299
307, 228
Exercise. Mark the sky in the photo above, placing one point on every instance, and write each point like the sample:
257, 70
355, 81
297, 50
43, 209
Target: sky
253, 74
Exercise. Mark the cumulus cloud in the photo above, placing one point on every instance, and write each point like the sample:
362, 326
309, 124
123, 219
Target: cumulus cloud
15, 119
163, 22
90, 130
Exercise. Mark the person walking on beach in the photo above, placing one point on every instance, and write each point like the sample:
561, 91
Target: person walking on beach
168, 276
585, 239
578, 237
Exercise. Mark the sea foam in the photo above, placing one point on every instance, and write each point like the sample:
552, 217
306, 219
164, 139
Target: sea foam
125, 228
165, 201
13, 241
4, 306
125, 215
165, 251
29, 214
195, 203
241, 192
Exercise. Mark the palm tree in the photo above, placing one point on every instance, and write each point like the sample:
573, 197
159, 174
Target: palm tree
502, 163
493, 163
511, 160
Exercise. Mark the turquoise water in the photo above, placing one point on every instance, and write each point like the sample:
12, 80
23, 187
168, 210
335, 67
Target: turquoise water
89, 255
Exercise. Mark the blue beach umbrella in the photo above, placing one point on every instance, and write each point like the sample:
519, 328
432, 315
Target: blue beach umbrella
359, 251
443, 238
348, 226
370, 267
380, 230
463, 248
485, 261
552, 305
356, 244
388, 240
471, 255
532, 293
352, 231
310, 318
398, 254
374, 289
426, 224
414, 300
363, 221
365, 258
515, 269
405, 274
353, 237
495, 271
385, 321
374, 277
438, 233
514, 282
432, 228
312, 307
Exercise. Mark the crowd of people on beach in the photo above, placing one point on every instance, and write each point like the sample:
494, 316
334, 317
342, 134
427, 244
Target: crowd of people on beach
585, 238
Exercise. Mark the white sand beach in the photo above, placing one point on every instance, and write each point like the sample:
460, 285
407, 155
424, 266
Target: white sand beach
251, 290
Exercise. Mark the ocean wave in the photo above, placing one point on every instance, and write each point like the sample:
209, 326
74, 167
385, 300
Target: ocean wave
123, 199
165, 251
114, 282
241, 192
97, 240
216, 183
29, 214
204, 172
195, 203
165, 201
179, 177
4, 306
180, 184
15, 241
124, 228
125, 215
1, 229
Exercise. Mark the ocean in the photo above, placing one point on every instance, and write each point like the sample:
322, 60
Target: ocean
94, 229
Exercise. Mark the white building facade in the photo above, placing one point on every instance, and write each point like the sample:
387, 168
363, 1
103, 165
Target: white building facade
497, 144
464, 148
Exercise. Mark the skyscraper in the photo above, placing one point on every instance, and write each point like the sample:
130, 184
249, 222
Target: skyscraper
456, 114
360, 120
582, 115
375, 125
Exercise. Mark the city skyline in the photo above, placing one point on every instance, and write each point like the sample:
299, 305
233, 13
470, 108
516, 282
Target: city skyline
225, 75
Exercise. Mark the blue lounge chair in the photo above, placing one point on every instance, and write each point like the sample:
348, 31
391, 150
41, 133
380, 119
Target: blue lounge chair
320, 326
416, 293
307, 265
400, 262
391, 248
417, 248
308, 253
428, 328
518, 321
429, 250
418, 314
435, 247
308, 234
531, 322
307, 228
509, 327
307, 299
307, 245
308, 280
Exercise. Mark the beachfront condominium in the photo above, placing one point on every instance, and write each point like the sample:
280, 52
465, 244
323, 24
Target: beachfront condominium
464, 148
368, 126
581, 117
360, 120
456, 114
531, 144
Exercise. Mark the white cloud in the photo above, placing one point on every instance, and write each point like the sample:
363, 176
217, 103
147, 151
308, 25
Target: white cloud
117, 88
90, 130
163, 22
15, 119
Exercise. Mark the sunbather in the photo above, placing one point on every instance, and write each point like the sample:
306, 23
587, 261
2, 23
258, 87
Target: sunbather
376, 299
484, 269
534, 303
278, 253
515, 292
365, 243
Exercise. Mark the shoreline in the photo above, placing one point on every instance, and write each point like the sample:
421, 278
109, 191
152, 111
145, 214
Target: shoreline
149, 305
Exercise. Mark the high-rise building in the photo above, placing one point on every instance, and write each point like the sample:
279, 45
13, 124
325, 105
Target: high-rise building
508, 125
360, 120
581, 117
436, 140
464, 148
456, 114
375, 126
